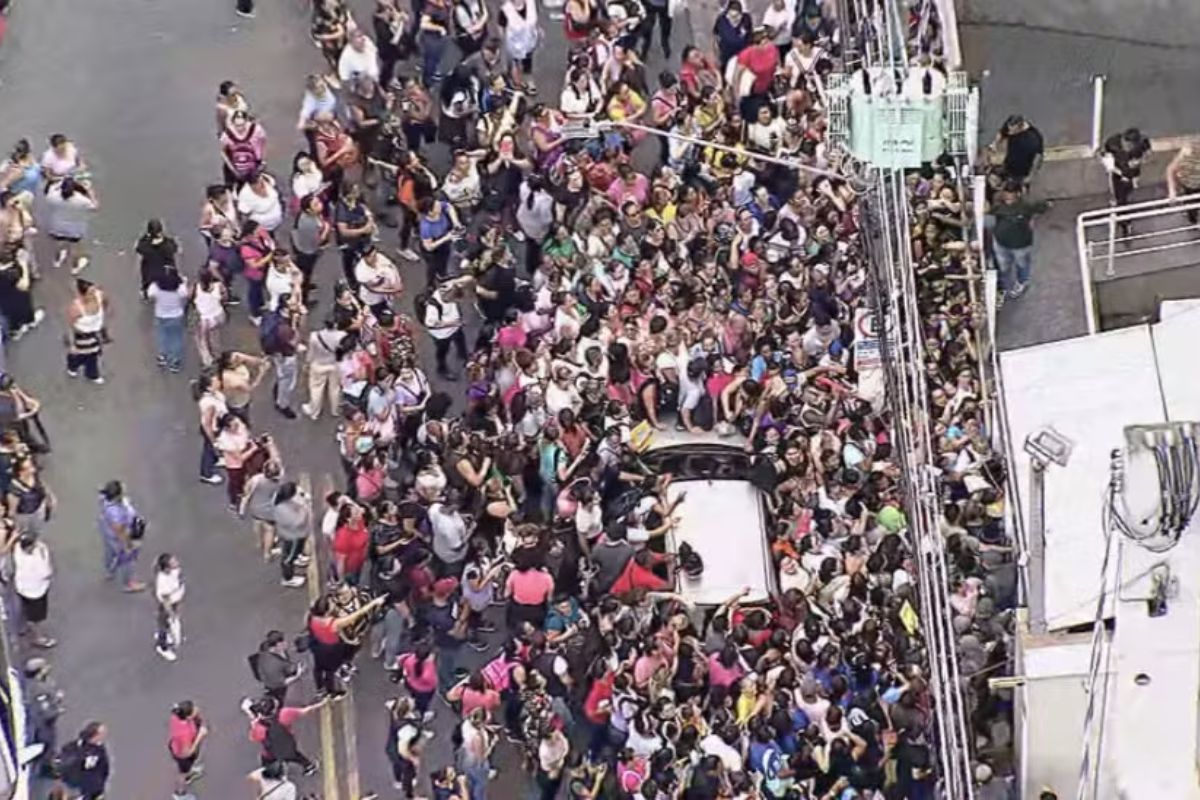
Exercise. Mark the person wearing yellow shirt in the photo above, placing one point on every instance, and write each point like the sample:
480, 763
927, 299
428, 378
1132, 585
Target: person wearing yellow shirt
626, 105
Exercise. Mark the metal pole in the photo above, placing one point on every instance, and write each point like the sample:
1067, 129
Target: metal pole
783, 162
1036, 541
1097, 110
1085, 277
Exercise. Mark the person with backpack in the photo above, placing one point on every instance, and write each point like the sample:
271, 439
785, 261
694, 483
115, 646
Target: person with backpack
83, 762
403, 743
243, 149
256, 249
271, 728
274, 667
438, 310
280, 340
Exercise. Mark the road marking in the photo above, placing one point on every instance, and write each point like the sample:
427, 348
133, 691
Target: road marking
350, 739
328, 755
345, 709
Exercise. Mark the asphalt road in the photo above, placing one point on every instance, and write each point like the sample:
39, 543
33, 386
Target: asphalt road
132, 82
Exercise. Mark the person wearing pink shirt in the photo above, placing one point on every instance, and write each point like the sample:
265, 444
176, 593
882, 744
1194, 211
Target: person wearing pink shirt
419, 672
629, 185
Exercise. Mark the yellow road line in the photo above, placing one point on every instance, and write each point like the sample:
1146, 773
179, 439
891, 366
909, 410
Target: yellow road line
328, 755
345, 709
350, 739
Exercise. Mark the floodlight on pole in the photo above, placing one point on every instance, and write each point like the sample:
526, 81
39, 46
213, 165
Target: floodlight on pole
1045, 446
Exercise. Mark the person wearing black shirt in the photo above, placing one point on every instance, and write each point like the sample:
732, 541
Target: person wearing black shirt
85, 764
497, 288
1122, 156
1024, 148
355, 227
156, 250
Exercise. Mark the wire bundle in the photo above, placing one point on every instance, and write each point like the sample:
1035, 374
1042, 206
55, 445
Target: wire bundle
1176, 461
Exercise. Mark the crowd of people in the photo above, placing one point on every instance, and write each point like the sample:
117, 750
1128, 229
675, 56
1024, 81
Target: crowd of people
577, 303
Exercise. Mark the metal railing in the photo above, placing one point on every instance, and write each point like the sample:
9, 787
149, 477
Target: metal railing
895, 292
1102, 239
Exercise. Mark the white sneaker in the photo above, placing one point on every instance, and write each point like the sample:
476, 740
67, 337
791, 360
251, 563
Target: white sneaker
81, 264
98, 381
60, 258
1018, 290
409, 254
427, 717
38, 316
168, 655
214, 479
302, 561
307, 411
294, 583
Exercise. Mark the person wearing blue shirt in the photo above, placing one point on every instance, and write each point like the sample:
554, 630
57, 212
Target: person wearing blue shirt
763, 358
732, 30
438, 228
766, 759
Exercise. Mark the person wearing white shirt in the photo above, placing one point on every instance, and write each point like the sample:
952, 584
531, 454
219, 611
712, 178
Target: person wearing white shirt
359, 59
32, 572
721, 746
259, 200
779, 17
443, 319
168, 592
377, 276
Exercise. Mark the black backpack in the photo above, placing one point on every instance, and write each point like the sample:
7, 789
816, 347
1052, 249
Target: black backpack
269, 333
279, 742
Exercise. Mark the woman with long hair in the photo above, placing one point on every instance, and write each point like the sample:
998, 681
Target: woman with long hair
168, 593
85, 341
209, 296
70, 204
169, 292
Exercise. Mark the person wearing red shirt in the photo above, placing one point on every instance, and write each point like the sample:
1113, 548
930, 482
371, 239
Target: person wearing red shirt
329, 652
761, 59
639, 575
697, 71
350, 543
271, 728
187, 731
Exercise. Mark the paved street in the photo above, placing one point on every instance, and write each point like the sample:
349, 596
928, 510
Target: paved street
133, 82
1041, 57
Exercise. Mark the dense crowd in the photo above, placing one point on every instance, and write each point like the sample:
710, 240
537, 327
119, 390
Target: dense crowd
578, 305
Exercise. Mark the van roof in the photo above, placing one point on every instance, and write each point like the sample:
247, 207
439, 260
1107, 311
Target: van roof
723, 521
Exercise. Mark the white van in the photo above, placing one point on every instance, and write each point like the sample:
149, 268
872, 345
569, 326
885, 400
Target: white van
723, 517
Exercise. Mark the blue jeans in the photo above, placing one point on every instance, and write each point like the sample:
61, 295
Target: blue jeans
433, 47
255, 296
1020, 258
477, 778
208, 458
447, 662
119, 562
170, 332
